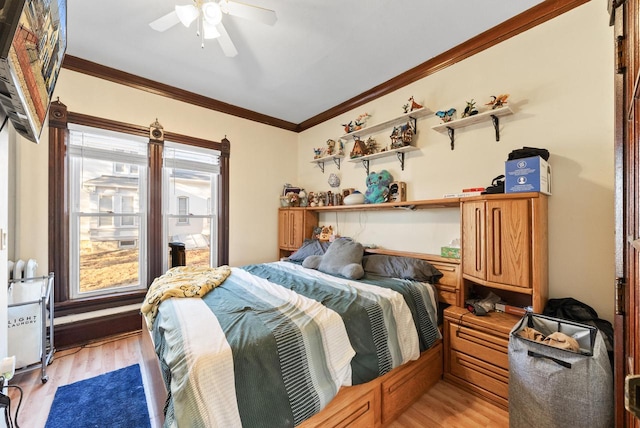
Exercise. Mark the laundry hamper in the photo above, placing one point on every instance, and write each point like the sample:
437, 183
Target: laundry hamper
551, 387
30, 328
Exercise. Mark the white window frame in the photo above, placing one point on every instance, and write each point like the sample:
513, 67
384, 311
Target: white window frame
77, 151
171, 161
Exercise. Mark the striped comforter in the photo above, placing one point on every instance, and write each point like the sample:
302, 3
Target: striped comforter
272, 345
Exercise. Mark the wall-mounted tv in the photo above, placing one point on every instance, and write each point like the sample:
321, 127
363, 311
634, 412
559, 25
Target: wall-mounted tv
33, 40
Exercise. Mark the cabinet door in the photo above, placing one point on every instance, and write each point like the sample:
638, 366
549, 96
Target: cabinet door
284, 229
509, 242
296, 229
474, 253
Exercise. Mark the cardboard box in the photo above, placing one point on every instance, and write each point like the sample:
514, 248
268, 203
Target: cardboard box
450, 252
527, 175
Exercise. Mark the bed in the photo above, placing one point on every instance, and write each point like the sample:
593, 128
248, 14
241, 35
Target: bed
367, 376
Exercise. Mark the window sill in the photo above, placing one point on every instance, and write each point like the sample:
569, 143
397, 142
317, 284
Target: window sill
81, 306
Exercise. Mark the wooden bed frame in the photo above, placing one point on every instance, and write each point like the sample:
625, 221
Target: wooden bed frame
374, 404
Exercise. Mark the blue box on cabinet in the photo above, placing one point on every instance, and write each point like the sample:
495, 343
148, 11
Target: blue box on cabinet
527, 175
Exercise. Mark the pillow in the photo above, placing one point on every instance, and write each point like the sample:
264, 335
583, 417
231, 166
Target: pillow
401, 267
343, 257
310, 247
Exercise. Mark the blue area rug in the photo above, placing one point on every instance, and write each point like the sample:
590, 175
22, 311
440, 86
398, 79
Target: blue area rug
114, 399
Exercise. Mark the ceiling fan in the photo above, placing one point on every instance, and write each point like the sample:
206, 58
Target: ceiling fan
208, 15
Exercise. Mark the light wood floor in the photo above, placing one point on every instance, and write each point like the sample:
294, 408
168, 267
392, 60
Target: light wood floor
445, 405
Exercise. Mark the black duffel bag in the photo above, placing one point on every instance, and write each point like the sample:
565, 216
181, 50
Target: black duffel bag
527, 152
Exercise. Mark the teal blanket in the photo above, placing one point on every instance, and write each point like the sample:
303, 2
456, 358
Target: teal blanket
272, 345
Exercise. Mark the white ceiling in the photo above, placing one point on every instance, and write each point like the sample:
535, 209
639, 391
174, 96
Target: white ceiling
317, 55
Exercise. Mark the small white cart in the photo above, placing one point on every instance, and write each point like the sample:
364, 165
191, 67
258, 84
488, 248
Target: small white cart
31, 323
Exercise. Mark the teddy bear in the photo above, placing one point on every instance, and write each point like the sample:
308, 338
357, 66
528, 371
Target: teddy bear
378, 187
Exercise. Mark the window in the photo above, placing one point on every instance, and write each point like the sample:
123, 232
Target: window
99, 165
190, 176
109, 196
127, 207
183, 209
105, 205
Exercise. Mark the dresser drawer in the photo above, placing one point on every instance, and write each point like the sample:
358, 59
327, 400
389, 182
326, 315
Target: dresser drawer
480, 373
481, 345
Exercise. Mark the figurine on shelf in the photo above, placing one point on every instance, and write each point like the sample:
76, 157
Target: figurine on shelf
331, 147
371, 146
470, 109
405, 108
498, 101
414, 104
359, 148
356, 125
361, 120
446, 116
317, 152
402, 135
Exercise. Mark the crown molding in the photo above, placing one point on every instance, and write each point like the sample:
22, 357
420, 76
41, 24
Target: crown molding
528, 19
111, 74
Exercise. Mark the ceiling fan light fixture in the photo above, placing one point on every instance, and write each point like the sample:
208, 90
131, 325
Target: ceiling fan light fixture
187, 14
211, 13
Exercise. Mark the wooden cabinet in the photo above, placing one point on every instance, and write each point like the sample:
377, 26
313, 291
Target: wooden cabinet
476, 355
504, 251
504, 246
294, 226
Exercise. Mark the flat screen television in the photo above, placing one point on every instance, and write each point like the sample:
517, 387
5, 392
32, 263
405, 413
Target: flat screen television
33, 41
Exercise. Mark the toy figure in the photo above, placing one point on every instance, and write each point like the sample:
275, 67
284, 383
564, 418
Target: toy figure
378, 187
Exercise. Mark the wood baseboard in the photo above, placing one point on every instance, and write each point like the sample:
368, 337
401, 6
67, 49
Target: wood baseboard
78, 333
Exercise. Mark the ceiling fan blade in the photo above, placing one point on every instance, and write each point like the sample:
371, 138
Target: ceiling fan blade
165, 22
226, 44
254, 13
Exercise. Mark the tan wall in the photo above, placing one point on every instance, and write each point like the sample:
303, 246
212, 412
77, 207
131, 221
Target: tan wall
263, 158
560, 77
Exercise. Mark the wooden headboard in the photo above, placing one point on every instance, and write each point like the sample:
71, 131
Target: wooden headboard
449, 286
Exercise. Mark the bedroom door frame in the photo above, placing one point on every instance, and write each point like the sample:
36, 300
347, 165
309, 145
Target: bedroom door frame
625, 18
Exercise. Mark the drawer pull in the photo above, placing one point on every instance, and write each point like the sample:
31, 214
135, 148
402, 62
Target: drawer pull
555, 360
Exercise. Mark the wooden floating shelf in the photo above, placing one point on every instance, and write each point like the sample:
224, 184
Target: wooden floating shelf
405, 205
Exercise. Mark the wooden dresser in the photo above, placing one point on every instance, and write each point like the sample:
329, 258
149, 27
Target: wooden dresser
476, 352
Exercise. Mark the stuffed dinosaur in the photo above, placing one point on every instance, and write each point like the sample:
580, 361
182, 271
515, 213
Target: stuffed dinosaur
378, 187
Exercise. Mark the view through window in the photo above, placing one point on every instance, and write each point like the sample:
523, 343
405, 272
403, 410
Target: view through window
107, 194
190, 176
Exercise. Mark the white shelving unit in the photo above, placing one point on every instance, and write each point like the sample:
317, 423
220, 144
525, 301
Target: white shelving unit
411, 116
370, 130
399, 152
320, 161
492, 115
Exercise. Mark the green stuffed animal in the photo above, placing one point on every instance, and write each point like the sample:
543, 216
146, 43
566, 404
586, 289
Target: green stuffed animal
378, 187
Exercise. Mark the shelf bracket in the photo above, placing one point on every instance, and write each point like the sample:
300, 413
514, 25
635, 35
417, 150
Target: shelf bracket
451, 131
414, 121
401, 159
496, 124
337, 162
365, 163
321, 166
